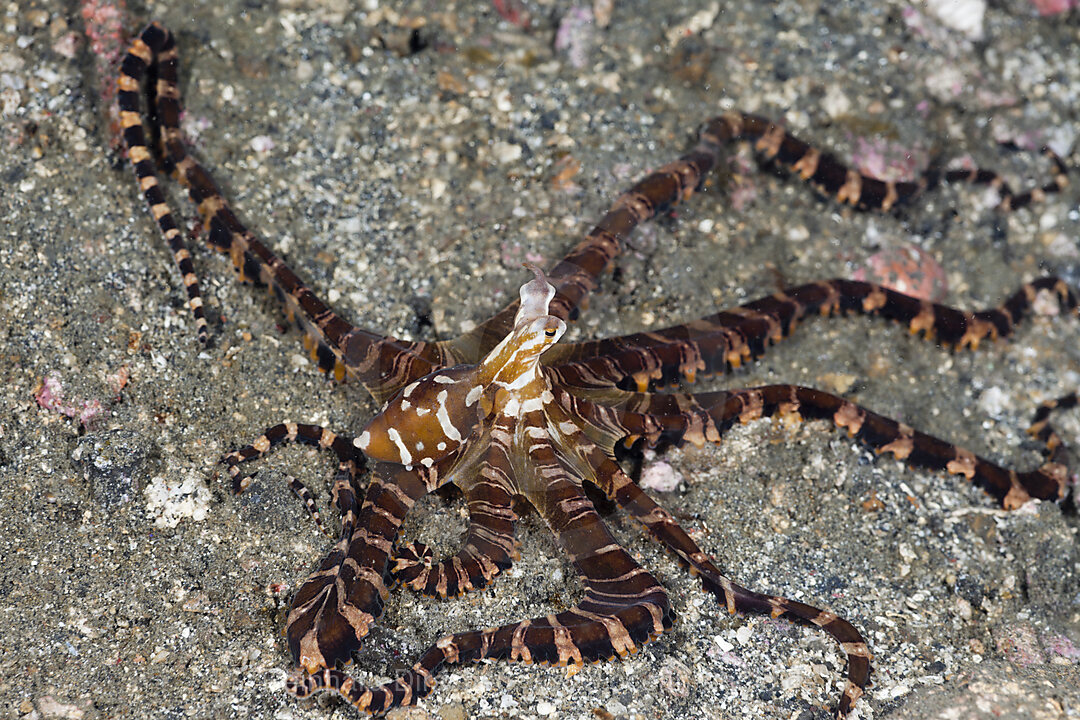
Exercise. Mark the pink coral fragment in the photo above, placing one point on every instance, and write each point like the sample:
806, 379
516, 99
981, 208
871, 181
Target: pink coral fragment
513, 11
887, 160
104, 24
1019, 645
575, 35
50, 395
1054, 7
907, 269
1059, 646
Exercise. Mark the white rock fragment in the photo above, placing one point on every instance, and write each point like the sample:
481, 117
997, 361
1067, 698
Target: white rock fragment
893, 692
661, 477
1046, 304
438, 188
836, 102
10, 101
506, 152
169, 504
963, 609
963, 16
50, 707
993, 401
701, 20
10, 62
262, 143
794, 677
350, 225
946, 82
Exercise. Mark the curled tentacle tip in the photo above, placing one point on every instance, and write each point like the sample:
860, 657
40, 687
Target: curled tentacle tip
241, 484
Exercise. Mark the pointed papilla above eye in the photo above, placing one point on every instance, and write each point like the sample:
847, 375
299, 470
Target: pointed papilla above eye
535, 296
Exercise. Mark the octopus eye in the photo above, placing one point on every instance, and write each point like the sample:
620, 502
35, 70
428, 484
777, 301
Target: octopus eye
550, 332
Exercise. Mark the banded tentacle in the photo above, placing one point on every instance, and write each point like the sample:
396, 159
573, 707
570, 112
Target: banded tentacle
1041, 429
337, 605
1007, 198
717, 343
596, 459
709, 415
578, 273
610, 478
350, 460
382, 364
489, 547
624, 606
611, 416
832, 178
155, 48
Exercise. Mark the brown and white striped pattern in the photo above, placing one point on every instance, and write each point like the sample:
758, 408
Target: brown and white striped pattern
155, 48
383, 364
350, 462
489, 546
335, 607
829, 176
724, 341
577, 274
484, 412
672, 419
1041, 429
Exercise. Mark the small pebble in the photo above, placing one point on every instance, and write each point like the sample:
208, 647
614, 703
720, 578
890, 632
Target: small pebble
506, 152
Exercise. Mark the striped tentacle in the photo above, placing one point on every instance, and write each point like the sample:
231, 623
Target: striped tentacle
337, 605
383, 364
1010, 487
726, 340
852, 644
823, 170
489, 547
350, 460
624, 606
611, 416
154, 48
610, 478
690, 414
832, 178
1009, 200
1055, 448
577, 274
